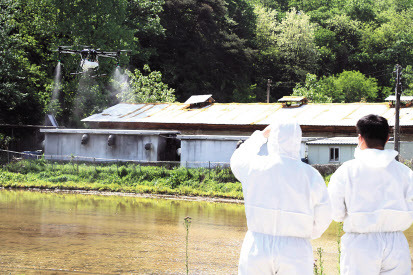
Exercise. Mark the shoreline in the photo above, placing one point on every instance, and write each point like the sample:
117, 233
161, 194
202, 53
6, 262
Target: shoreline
125, 194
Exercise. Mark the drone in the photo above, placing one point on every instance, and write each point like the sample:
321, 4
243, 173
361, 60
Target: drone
89, 56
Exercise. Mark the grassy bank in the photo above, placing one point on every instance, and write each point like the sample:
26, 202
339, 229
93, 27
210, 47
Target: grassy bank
129, 178
217, 182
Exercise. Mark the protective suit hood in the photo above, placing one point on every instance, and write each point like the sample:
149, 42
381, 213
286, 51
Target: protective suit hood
375, 157
285, 139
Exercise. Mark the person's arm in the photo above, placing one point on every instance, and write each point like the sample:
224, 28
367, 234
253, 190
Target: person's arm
322, 208
336, 190
243, 156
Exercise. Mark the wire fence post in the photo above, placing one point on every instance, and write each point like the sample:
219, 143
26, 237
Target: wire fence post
209, 169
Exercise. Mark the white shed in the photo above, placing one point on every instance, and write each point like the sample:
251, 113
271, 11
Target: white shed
331, 150
213, 150
337, 150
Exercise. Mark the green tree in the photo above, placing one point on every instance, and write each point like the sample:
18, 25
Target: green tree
266, 30
353, 86
22, 75
407, 79
349, 86
266, 61
296, 44
312, 90
142, 88
347, 36
206, 48
360, 10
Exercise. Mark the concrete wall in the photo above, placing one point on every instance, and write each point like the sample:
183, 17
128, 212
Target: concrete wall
205, 151
210, 150
128, 146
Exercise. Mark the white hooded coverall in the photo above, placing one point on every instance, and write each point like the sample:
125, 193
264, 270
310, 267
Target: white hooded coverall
286, 203
373, 195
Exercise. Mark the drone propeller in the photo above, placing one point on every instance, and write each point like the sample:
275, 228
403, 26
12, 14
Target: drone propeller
65, 49
60, 48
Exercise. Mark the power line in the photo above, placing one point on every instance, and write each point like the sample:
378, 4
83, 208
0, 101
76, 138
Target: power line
378, 71
383, 74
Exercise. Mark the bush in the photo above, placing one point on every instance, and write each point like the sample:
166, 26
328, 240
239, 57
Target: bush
326, 169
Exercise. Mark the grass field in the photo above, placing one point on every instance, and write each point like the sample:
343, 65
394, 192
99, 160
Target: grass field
131, 178
217, 182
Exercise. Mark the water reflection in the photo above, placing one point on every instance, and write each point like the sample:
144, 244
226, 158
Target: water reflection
85, 233
66, 233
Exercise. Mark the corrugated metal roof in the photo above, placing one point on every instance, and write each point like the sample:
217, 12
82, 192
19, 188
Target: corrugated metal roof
334, 141
328, 114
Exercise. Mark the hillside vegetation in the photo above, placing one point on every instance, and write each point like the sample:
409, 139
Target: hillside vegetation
328, 50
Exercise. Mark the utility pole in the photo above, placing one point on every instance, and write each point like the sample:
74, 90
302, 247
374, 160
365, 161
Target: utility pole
268, 90
397, 110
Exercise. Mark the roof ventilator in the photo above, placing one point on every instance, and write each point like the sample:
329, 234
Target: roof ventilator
293, 101
199, 101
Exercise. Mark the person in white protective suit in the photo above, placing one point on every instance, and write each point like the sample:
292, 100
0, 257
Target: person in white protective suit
372, 194
286, 203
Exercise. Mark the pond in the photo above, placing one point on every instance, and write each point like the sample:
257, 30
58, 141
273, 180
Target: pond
56, 233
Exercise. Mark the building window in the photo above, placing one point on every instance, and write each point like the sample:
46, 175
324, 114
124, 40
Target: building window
334, 154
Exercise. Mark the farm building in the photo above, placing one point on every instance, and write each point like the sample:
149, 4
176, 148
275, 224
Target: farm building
337, 150
110, 145
207, 132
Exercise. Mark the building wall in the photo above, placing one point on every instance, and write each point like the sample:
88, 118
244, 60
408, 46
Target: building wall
127, 147
212, 151
320, 153
209, 152
406, 149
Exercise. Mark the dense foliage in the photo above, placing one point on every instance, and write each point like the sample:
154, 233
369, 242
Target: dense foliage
330, 51
140, 88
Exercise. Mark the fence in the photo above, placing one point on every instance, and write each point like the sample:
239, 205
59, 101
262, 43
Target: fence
86, 167
7, 156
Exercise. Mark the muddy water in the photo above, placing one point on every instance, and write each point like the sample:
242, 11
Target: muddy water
52, 233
